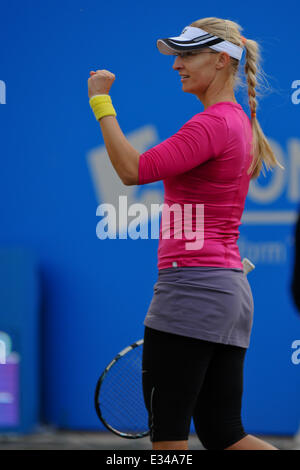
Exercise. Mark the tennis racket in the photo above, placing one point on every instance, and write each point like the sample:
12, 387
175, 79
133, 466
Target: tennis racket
119, 400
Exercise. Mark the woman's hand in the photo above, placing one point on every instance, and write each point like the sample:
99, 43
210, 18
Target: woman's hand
100, 82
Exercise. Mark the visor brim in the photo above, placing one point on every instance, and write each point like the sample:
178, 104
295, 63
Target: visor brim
167, 47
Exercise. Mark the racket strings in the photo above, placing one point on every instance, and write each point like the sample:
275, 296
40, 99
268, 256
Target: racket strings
120, 404
125, 389
121, 398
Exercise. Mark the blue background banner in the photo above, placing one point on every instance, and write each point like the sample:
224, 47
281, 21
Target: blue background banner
55, 172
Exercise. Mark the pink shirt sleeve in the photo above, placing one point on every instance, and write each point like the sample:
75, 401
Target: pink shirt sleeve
203, 137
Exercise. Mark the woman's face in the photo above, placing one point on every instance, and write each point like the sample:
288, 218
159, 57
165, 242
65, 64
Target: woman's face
200, 68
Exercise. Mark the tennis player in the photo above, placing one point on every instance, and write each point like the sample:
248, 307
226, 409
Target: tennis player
198, 325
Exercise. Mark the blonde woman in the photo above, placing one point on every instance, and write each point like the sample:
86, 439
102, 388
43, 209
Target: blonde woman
198, 325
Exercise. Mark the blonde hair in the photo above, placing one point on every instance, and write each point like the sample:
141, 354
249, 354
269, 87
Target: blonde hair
230, 31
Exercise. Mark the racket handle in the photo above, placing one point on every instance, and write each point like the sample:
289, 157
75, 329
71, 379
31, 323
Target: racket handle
248, 266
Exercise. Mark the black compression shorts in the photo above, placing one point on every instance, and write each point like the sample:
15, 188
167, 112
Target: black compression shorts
185, 378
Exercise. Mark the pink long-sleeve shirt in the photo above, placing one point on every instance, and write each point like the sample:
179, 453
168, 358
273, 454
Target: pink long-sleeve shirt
204, 171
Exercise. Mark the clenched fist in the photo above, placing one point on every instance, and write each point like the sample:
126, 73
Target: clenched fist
100, 82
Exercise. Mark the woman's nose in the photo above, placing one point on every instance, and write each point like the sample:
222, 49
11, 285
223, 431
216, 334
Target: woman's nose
176, 63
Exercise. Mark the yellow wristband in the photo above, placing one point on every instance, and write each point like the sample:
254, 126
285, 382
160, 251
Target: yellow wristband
102, 106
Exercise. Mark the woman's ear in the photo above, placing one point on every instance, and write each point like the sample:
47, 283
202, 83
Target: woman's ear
222, 60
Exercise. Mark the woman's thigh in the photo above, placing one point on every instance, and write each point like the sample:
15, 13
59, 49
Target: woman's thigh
217, 413
174, 369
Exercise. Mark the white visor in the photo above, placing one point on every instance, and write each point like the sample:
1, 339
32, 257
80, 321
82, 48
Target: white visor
195, 38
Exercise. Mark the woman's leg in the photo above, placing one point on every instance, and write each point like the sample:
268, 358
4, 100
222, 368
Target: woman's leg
251, 443
174, 368
170, 445
217, 415
247, 443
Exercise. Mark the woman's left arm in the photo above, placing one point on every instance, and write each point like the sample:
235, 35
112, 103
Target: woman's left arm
124, 157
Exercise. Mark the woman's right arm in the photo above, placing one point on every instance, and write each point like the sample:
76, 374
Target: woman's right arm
203, 137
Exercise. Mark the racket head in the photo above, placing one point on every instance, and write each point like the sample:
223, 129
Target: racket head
128, 360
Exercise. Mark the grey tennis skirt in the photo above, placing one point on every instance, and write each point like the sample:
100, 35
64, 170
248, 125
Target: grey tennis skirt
212, 304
